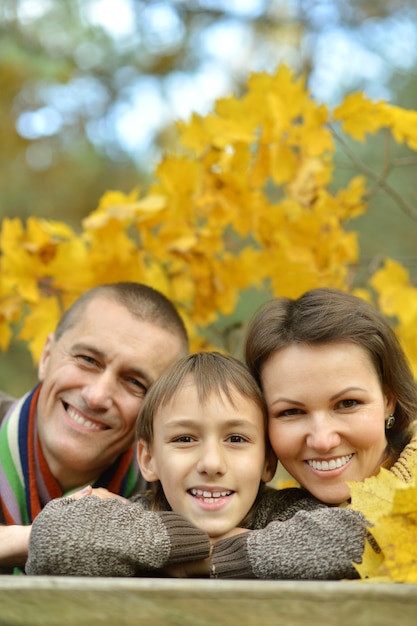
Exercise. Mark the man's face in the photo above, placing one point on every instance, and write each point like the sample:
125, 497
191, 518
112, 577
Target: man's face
95, 377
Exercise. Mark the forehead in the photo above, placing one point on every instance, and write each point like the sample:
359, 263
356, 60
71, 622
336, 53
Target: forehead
302, 362
125, 340
187, 402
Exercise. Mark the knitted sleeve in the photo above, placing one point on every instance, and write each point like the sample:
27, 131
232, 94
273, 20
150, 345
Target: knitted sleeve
316, 544
96, 537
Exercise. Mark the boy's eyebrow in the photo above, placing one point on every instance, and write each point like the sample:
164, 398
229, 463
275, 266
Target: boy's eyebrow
193, 421
96, 352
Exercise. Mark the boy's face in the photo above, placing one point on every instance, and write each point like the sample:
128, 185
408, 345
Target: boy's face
210, 458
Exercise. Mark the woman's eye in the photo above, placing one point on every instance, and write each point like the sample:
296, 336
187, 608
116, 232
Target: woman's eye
347, 404
289, 412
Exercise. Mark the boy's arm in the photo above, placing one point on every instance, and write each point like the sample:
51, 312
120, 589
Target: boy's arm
316, 544
96, 537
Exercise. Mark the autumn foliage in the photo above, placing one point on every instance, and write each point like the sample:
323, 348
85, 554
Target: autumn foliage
247, 200
390, 506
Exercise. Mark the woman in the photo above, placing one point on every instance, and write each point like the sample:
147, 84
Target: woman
340, 393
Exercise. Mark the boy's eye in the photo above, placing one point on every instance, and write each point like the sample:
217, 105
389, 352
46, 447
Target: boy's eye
237, 439
184, 439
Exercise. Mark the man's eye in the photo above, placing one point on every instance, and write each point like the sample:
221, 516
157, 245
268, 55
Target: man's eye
87, 359
138, 385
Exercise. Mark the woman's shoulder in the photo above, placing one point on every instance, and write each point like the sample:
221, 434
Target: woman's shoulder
404, 467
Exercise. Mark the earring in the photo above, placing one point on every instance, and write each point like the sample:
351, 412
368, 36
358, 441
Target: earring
389, 422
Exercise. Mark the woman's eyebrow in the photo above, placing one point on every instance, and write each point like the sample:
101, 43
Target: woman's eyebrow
346, 390
287, 401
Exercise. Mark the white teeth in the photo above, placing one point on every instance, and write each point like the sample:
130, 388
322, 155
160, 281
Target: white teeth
330, 465
209, 496
76, 417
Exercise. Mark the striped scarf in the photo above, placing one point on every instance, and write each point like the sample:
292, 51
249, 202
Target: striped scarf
26, 482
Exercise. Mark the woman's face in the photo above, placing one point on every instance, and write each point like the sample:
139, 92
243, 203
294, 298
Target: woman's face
327, 414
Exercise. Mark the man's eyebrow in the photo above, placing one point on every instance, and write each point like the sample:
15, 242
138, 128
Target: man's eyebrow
133, 371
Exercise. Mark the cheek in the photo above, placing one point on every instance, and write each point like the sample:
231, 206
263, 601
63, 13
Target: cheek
129, 410
371, 436
283, 438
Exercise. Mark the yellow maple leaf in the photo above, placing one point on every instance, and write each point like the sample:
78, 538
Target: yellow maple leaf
312, 134
5, 333
396, 295
403, 125
38, 323
372, 565
351, 199
407, 334
25, 255
374, 496
396, 535
360, 116
390, 507
304, 187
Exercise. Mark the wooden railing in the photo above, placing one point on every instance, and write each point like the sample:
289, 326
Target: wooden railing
55, 601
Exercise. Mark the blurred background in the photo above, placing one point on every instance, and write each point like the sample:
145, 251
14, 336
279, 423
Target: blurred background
90, 89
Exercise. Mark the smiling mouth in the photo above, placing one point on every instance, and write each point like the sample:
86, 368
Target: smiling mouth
209, 496
332, 464
79, 419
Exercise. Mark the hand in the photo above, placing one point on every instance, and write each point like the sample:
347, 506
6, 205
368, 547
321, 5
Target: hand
100, 492
14, 545
189, 570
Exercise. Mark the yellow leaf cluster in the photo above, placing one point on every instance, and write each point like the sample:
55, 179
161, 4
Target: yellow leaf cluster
359, 116
247, 200
390, 507
397, 298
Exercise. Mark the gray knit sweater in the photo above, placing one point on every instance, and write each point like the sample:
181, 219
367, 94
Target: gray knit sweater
300, 538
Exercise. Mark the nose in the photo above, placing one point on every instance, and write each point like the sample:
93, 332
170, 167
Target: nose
323, 435
98, 392
211, 460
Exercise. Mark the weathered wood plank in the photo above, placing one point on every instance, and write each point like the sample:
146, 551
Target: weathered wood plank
55, 601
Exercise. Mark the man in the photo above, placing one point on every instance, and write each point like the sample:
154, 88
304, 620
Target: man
77, 426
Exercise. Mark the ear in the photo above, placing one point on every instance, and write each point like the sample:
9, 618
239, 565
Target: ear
270, 466
46, 353
390, 402
146, 461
